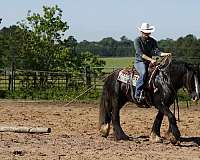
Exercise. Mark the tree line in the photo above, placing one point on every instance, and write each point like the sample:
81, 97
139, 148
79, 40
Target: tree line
39, 42
183, 47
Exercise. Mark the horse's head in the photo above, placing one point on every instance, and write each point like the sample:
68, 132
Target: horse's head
192, 83
182, 75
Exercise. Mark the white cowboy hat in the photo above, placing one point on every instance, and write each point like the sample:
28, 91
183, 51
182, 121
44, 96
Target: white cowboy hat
146, 28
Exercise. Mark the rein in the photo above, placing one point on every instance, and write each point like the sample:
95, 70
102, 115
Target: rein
158, 67
163, 61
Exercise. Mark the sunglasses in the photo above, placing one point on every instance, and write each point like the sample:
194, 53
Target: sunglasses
146, 34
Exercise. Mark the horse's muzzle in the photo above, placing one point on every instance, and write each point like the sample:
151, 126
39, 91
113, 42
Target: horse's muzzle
195, 98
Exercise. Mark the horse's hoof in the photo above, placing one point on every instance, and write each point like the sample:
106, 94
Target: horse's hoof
155, 138
178, 143
104, 130
173, 140
169, 136
124, 137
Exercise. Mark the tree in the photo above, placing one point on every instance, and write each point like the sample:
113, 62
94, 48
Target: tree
11, 40
42, 49
45, 47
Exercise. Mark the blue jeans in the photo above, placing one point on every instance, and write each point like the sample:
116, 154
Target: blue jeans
142, 69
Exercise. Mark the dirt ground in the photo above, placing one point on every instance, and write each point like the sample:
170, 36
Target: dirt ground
75, 136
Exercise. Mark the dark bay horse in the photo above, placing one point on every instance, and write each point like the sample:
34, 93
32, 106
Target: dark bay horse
170, 77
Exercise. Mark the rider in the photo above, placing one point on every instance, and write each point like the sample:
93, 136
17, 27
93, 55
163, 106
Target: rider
145, 47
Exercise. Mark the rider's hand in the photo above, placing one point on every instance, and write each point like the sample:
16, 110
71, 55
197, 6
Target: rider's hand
166, 54
169, 54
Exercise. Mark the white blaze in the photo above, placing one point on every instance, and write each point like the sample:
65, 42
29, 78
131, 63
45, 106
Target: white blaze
196, 85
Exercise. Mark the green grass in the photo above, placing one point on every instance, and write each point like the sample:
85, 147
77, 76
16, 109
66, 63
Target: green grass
117, 62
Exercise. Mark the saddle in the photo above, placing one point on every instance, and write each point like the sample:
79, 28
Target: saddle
130, 76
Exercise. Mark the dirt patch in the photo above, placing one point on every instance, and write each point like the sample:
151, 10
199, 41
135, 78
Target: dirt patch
75, 136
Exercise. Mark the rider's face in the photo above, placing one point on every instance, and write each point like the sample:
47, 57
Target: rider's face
145, 35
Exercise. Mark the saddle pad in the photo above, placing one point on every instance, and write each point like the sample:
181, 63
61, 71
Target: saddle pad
127, 78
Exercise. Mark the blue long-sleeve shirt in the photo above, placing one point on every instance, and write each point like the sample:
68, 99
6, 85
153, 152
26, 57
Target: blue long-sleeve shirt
148, 47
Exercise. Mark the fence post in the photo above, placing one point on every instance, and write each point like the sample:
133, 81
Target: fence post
13, 66
11, 80
88, 76
35, 79
66, 80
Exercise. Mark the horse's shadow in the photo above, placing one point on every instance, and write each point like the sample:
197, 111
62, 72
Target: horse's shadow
193, 141
185, 141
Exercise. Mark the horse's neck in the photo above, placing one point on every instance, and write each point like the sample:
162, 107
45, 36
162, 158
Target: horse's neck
177, 76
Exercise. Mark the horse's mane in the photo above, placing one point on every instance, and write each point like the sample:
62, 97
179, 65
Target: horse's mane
179, 66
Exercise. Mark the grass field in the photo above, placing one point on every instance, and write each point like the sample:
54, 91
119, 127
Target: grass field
117, 62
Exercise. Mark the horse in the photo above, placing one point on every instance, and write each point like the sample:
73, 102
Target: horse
169, 78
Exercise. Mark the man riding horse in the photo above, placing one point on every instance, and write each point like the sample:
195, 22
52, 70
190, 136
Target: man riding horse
168, 78
145, 47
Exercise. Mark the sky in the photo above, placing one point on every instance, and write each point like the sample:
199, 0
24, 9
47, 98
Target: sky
93, 20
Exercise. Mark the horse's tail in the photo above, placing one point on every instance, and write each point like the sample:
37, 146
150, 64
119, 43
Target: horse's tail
105, 110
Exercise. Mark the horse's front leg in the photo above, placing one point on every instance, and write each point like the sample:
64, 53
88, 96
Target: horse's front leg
118, 132
155, 132
173, 131
169, 135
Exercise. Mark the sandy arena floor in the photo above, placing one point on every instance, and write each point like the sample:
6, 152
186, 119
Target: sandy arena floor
75, 136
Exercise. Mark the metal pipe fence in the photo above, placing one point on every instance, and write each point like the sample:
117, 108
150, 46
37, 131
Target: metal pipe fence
28, 81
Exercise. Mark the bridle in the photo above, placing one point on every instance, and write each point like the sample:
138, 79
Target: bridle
189, 79
164, 64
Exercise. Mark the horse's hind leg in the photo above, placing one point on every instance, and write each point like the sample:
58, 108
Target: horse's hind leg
155, 133
118, 132
104, 117
104, 129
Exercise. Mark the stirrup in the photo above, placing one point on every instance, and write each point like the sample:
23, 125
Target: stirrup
140, 99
